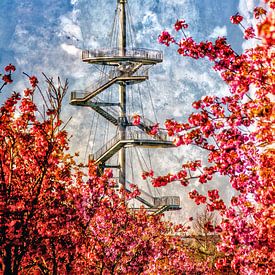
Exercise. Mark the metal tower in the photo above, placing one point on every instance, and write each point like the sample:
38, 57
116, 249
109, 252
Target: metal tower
128, 67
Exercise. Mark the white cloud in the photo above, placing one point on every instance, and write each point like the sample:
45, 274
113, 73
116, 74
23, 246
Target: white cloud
218, 31
70, 28
245, 8
71, 49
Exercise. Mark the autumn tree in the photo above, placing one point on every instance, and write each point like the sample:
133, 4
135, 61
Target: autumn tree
237, 133
34, 168
59, 218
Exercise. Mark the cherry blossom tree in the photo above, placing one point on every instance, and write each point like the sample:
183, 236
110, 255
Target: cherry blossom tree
58, 217
237, 133
34, 176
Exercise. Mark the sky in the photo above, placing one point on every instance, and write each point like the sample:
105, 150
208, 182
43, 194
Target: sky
48, 36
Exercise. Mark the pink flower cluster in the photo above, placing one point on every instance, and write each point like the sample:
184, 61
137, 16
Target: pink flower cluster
180, 24
165, 38
236, 19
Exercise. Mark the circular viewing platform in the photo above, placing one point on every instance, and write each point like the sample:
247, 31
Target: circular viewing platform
112, 56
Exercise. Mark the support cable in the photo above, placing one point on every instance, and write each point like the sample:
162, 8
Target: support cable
105, 131
102, 133
95, 130
140, 101
129, 27
115, 40
140, 156
107, 123
131, 96
148, 153
140, 162
132, 28
132, 168
151, 100
113, 28
89, 138
117, 158
156, 119
101, 70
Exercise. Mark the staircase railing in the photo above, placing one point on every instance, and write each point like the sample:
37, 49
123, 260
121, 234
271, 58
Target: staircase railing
115, 52
109, 144
167, 200
143, 135
111, 110
80, 94
93, 87
172, 202
131, 135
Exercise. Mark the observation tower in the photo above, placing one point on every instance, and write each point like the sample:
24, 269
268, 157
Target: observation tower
126, 66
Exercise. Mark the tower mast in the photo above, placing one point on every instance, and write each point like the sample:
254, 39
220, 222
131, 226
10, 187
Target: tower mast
122, 94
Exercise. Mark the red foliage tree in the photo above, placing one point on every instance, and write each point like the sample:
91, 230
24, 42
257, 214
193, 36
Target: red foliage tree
34, 168
237, 132
53, 221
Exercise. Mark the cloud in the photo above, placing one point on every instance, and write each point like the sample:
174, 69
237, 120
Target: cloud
71, 49
245, 8
218, 31
73, 2
70, 28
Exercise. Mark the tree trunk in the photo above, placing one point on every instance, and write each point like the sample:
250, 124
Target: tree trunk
7, 268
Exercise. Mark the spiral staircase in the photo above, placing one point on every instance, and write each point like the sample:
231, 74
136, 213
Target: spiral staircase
127, 66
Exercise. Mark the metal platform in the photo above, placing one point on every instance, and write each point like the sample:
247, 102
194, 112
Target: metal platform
134, 138
157, 205
113, 57
172, 201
